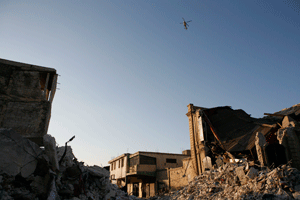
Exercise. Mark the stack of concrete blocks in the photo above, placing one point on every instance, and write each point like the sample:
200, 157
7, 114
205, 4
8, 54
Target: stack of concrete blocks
26, 94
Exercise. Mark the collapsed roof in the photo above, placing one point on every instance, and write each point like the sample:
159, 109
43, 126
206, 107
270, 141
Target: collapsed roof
235, 129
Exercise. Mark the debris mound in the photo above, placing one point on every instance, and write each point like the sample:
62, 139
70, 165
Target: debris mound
240, 181
32, 173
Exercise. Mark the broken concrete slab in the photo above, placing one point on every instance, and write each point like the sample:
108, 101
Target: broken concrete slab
241, 174
18, 154
296, 195
219, 161
98, 171
252, 173
68, 159
50, 150
288, 121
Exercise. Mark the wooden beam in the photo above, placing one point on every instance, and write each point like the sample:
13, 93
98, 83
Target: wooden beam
279, 125
53, 88
212, 129
268, 125
46, 86
274, 115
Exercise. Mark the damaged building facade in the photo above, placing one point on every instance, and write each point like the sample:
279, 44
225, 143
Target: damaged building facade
144, 174
26, 95
221, 135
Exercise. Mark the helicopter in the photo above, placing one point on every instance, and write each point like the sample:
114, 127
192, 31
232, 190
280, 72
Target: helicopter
185, 24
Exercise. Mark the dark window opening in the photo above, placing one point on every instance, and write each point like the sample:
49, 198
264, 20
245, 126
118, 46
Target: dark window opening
171, 160
276, 154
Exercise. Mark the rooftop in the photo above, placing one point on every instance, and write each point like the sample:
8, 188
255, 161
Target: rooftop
27, 67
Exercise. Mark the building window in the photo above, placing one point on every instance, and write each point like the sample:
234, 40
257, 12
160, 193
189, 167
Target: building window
119, 163
112, 167
171, 160
115, 165
122, 162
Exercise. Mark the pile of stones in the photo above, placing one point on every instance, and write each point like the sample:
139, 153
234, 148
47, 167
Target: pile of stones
239, 181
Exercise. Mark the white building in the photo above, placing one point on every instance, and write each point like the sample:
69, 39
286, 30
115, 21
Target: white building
118, 169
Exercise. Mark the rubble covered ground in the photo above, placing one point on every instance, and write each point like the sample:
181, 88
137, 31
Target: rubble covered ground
28, 172
53, 173
241, 181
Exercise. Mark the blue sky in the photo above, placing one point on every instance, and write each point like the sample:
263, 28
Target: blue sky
129, 68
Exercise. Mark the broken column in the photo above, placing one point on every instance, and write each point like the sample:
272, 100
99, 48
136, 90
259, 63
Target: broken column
261, 143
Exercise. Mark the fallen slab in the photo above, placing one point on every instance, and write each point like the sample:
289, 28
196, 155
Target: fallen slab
18, 154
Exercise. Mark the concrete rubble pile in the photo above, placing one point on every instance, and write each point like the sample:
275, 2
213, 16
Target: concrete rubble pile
30, 172
241, 181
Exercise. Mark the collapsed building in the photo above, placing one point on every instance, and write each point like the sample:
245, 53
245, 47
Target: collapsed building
220, 135
26, 95
237, 157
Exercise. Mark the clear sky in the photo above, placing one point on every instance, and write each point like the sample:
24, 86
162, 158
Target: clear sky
129, 68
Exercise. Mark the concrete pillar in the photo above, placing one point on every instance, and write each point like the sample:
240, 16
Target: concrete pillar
261, 143
192, 137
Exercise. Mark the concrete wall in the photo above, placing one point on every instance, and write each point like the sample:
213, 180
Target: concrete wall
181, 176
162, 179
30, 119
26, 93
